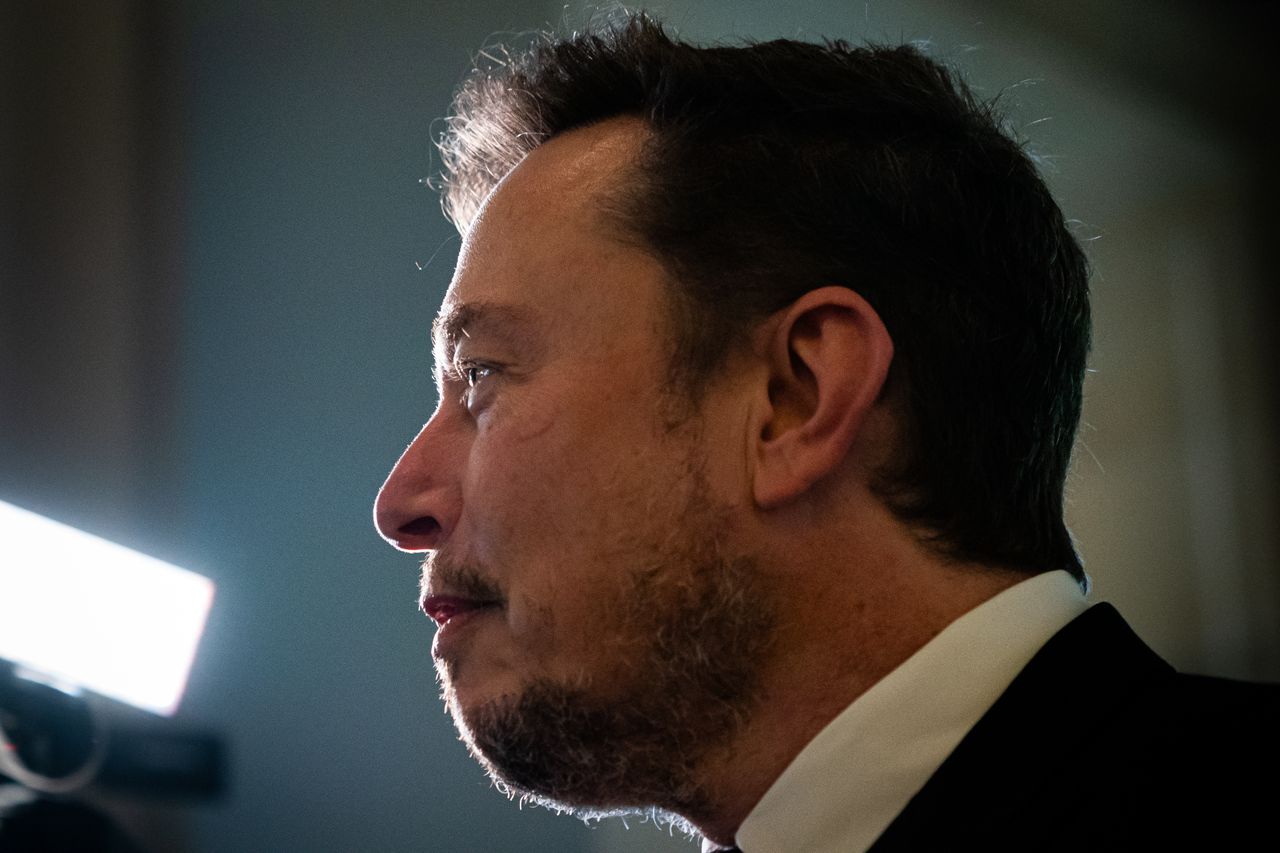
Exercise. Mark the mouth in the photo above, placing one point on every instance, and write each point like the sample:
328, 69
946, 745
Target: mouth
443, 608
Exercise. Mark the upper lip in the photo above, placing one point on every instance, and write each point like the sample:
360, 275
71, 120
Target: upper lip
442, 607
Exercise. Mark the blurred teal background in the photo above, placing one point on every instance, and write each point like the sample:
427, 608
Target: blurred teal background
218, 268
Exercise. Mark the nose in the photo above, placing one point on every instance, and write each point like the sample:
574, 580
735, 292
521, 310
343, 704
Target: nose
418, 506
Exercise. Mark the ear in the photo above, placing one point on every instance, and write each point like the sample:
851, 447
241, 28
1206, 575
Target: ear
828, 356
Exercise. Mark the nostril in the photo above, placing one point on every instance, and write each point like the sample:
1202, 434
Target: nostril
419, 527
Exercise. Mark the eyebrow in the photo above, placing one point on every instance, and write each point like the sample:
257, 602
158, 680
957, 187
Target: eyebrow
461, 321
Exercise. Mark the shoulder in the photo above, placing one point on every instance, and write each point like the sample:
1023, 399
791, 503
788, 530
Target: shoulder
1195, 736
1100, 744
1140, 721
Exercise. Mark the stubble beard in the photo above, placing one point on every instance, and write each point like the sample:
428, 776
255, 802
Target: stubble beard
696, 624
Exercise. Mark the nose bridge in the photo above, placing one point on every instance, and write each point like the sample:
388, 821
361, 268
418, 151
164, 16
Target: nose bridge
418, 503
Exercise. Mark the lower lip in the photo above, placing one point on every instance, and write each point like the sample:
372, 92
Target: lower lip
452, 632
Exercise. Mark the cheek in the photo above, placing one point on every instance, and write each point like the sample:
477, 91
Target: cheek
561, 495
509, 461
555, 468
527, 424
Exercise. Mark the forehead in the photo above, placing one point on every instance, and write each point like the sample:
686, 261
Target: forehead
544, 248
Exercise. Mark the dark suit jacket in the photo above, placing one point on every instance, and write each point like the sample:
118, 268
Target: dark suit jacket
1098, 744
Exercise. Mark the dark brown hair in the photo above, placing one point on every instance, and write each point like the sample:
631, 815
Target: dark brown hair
775, 168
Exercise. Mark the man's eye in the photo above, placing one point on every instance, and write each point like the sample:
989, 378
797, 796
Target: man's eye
473, 373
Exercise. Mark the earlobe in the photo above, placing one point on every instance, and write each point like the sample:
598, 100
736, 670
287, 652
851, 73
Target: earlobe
828, 355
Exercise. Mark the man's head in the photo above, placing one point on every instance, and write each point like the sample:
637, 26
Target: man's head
777, 168
706, 297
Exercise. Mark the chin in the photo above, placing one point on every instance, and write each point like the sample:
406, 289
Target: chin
575, 751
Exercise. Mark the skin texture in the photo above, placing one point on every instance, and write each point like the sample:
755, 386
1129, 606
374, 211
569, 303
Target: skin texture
683, 596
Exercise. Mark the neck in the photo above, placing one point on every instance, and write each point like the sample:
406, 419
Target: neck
846, 624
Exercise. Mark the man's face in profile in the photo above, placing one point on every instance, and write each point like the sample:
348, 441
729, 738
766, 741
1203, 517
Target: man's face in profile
601, 623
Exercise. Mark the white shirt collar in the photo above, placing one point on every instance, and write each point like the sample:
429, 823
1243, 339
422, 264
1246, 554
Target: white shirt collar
849, 783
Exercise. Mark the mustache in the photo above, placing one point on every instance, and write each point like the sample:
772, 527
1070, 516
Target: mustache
440, 573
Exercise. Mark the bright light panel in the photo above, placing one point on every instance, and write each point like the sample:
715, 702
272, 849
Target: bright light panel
96, 614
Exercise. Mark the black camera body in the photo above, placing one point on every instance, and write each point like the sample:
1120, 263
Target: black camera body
54, 744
